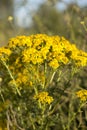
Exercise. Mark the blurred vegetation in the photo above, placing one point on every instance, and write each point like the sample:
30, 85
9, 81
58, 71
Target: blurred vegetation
6, 9
50, 20
46, 19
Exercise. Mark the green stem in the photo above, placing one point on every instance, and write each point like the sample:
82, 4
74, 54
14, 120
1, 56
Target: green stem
52, 77
74, 116
85, 27
2, 96
45, 73
12, 77
32, 123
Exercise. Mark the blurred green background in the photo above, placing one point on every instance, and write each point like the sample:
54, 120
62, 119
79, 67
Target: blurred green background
66, 18
53, 17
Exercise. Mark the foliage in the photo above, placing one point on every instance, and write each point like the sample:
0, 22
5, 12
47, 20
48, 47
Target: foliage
50, 20
42, 76
37, 80
45, 24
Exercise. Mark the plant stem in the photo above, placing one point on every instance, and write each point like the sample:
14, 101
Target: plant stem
74, 116
11, 77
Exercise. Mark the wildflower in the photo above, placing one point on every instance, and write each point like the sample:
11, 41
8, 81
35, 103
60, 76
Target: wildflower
43, 98
5, 51
82, 94
54, 64
40, 48
10, 18
82, 22
19, 41
22, 79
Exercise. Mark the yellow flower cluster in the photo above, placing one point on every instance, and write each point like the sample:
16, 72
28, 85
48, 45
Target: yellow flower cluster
27, 51
43, 98
4, 53
22, 77
53, 50
19, 41
4, 50
82, 94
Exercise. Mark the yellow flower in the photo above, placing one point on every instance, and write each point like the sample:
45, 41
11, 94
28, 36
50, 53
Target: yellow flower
10, 18
43, 98
54, 63
40, 48
5, 51
82, 22
30, 83
82, 94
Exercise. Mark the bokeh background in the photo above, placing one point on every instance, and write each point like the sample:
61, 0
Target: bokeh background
53, 17
66, 18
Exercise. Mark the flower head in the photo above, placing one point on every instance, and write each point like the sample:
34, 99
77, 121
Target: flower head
82, 94
43, 98
40, 48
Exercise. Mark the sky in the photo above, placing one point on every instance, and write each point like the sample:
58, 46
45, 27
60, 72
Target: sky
28, 9
81, 3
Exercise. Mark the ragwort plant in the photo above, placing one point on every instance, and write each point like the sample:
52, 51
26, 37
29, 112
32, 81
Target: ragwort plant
35, 77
